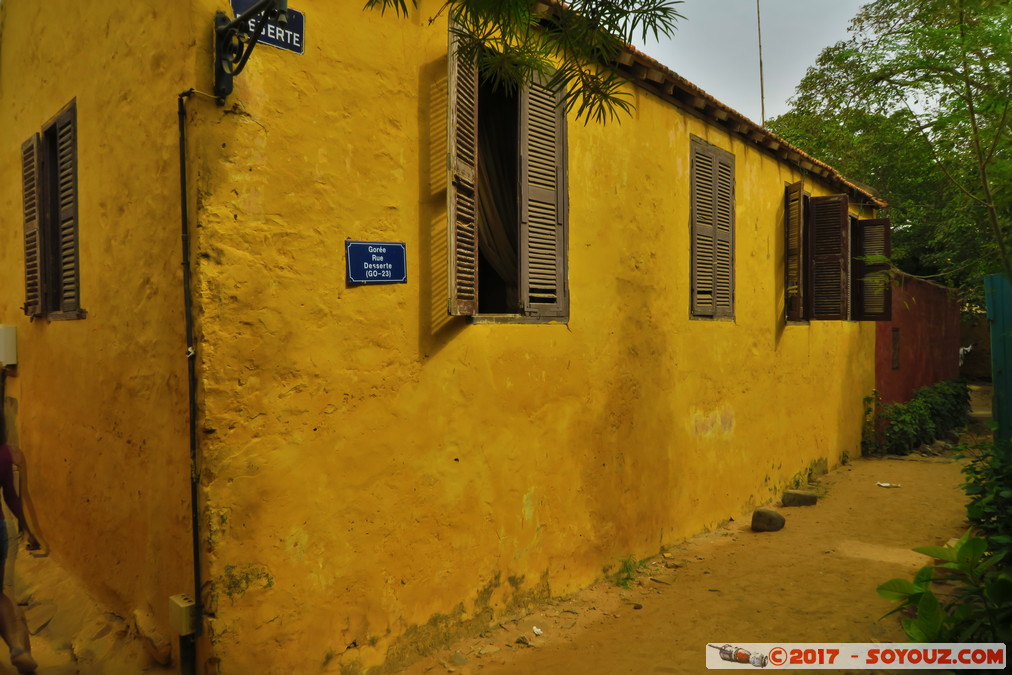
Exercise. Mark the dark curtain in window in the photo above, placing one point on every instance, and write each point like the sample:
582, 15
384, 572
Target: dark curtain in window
498, 217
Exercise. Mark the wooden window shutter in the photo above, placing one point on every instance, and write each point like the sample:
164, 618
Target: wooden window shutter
66, 199
462, 188
871, 280
542, 254
723, 269
794, 268
703, 231
31, 187
712, 217
830, 257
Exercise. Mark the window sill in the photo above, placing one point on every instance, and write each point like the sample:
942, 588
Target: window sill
712, 319
66, 316
516, 318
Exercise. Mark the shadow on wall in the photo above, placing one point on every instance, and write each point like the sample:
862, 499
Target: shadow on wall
626, 473
436, 327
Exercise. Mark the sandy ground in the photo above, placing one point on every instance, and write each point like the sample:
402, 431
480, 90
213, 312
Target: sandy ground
813, 581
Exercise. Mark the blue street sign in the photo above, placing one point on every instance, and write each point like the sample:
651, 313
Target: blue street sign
376, 262
290, 38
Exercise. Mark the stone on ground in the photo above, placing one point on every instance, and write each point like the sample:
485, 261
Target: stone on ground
799, 498
767, 520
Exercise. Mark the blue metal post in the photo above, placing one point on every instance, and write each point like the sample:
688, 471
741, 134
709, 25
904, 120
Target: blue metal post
998, 294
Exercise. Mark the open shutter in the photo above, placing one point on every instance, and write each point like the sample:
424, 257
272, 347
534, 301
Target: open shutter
704, 170
830, 256
794, 271
462, 188
66, 199
543, 284
723, 265
871, 280
31, 188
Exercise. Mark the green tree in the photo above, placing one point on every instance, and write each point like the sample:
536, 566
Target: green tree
916, 102
576, 46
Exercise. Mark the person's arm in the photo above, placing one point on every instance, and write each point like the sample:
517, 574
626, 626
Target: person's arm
12, 496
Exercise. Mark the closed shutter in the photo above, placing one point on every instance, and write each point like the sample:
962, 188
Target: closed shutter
462, 189
703, 231
723, 268
543, 282
871, 280
830, 257
712, 216
66, 198
794, 271
31, 187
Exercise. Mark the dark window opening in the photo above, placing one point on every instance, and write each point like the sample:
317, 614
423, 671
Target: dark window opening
498, 191
506, 199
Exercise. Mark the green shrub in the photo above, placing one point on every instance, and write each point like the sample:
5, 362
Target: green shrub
989, 487
949, 402
908, 425
978, 609
933, 411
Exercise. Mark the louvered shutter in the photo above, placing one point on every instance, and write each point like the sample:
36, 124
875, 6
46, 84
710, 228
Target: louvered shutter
462, 189
830, 257
66, 199
871, 280
712, 216
703, 231
543, 282
794, 270
723, 265
31, 188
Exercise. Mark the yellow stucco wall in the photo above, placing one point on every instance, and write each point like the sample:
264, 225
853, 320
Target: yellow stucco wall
376, 476
379, 476
99, 405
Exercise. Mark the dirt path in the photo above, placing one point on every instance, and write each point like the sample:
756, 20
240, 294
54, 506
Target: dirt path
813, 581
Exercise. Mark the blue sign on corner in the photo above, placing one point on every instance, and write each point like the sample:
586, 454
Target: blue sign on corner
291, 37
376, 262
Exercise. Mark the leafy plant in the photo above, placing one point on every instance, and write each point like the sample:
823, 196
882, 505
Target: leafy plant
989, 486
977, 609
910, 424
900, 427
576, 44
930, 128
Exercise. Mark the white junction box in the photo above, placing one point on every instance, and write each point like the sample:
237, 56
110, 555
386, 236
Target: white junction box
8, 345
181, 614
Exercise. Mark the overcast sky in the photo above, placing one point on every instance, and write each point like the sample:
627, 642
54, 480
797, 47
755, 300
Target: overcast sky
716, 47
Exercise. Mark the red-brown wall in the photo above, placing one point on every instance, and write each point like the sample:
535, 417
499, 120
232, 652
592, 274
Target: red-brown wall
925, 318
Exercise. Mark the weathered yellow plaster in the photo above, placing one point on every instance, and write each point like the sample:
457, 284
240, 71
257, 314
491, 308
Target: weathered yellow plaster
425, 460
378, 477
101, 405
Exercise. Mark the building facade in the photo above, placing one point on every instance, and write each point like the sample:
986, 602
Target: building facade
609, 338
